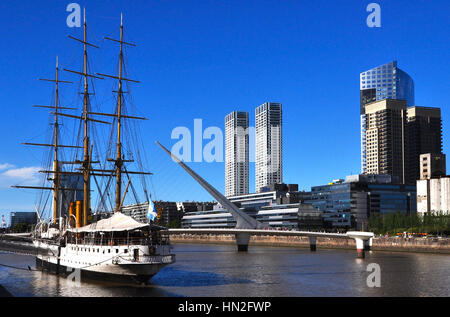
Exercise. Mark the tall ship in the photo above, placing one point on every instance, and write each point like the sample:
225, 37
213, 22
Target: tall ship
79, 239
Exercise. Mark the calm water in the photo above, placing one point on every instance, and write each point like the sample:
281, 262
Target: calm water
218, 270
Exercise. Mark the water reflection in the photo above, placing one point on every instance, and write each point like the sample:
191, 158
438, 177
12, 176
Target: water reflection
218, 270
182, 278
45, 284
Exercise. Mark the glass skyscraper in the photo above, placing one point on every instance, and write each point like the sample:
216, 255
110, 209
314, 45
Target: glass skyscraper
383, 82
386, 82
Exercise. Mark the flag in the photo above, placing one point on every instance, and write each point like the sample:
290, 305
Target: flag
151, 212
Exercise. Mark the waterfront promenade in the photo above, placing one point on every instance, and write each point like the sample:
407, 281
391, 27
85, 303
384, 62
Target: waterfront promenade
427, 245
423, 245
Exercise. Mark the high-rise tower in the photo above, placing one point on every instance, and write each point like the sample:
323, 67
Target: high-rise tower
269, 145
236, 154
383, 82
424, 135
385, 138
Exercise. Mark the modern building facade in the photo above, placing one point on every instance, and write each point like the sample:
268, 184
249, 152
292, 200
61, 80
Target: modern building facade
215, 218
28, 218
310, 218
137, 211
433, 195
269, 145
383, 82
334, 202
433, 187
279, 216
350, 203
385, 142
424, 135
432, 165
192, 206
386, 82
342, 204
287, 217
279, 206
275, 194
236, 154
396, 136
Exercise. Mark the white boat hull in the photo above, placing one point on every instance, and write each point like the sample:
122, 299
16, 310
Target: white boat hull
104, 263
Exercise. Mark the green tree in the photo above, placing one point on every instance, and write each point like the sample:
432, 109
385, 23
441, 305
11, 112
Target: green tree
395, 222
20, 227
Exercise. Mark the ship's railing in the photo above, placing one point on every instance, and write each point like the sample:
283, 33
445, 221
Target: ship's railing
53, 242
164, 259
119, 241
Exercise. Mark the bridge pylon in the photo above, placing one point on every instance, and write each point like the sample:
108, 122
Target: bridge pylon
243, 220
312, 243
242, 241
363, 241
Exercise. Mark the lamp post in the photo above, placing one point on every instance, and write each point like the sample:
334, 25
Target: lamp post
409, 210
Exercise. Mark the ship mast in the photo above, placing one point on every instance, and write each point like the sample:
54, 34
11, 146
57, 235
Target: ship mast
119, 160
86, 161
56, 167
86, 171
55, 162
87, 146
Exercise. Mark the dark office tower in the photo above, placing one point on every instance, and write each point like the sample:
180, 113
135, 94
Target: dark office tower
379, 83
424, 135
385, 137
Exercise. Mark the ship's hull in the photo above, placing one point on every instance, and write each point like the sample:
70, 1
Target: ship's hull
137, 274
103, 263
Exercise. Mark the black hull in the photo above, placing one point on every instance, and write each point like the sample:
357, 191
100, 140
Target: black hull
86, 276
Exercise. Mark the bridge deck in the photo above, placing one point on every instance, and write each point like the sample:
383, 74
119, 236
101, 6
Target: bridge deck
260, 232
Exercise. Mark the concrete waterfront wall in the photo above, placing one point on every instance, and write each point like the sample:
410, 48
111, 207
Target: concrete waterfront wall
22, 245
381, 244
19, 247
431, 245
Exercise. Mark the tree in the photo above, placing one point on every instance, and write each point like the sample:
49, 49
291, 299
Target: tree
395, 222
20, 227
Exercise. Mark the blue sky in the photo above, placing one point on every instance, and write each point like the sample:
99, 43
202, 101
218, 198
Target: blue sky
204, 59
